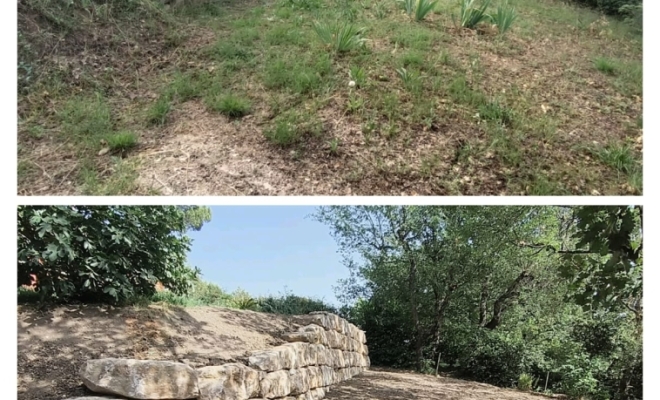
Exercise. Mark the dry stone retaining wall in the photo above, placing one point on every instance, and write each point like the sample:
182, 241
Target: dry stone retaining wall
324, 352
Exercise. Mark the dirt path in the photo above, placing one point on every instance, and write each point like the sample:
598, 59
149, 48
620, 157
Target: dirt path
381, 385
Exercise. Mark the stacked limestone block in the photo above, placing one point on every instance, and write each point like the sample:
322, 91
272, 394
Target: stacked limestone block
326, 351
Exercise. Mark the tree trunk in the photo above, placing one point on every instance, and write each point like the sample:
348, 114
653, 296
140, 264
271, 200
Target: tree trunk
502, 302
412, 288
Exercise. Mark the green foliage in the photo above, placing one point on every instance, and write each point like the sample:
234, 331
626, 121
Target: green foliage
423, 8
525, 382
230, 105
408, 6
612, 7
122, 141
290, 304
411, 79
103, 254
358, 75
292, 128
470, 15
605, 66
504, 17
341, 37
606, 266
243, 301
495, 294
157, 113
494, 111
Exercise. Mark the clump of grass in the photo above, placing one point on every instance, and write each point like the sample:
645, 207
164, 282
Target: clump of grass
298, 76
470, 16
618, 156
157, 113
334, 146
605, 66
411, 79
229, 105
504, 18
461, 92
185, 87
122, 141
525, 382
358, 75
342, 37
494, 111
291, 128
86, 118
412, 58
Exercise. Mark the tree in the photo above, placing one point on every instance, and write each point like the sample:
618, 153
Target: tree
105, 253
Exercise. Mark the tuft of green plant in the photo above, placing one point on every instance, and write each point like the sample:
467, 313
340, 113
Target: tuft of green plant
229, 105
122, 141
504, 17
380, 10
342, 37
358, 75
424, 7
605, 66
525, 382
157, 113
334, 146
408, 6
86, 117
411, 79
244, 301
494, 111
617, 156
291, 128
470, 16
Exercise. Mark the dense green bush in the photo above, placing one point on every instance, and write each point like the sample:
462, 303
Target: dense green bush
103, 253
611, 7
290, 304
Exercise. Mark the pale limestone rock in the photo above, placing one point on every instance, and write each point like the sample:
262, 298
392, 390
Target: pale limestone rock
276, 384
140, 379
229, 382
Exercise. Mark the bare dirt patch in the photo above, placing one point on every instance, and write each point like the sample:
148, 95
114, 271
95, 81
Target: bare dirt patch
53, 344
377, 384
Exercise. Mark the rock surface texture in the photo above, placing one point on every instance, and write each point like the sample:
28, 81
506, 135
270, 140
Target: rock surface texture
324, 352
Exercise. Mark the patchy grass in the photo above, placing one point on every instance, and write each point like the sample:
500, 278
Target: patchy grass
229, 105
341, 95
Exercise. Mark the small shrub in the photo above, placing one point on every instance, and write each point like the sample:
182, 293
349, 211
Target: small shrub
245, 302
504, 18
470, 16
525, 382
230, 105
122, 141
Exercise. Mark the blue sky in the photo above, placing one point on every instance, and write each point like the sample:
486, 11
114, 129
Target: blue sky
265, 249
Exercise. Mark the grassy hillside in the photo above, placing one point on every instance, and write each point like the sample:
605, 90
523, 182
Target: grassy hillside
263, 97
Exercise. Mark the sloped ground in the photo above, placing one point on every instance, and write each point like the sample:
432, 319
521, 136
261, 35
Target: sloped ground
382, 385
52, 344
554, 107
